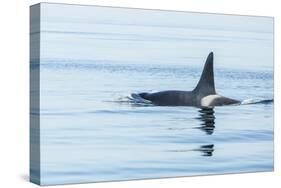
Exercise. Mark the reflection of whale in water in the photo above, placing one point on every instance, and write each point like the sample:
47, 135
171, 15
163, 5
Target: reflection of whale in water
207, 118
203, 95
207, 150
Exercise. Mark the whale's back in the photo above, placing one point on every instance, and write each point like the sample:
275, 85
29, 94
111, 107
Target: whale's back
170, 98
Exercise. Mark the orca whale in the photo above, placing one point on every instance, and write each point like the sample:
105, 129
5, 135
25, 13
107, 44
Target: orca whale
203, 95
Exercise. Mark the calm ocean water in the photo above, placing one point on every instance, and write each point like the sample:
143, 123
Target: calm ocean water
91, 131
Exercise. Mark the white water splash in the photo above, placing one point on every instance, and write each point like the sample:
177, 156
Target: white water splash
256, 101
138, 99
133, 98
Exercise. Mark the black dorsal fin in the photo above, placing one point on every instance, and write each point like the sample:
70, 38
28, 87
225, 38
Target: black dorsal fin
206, 84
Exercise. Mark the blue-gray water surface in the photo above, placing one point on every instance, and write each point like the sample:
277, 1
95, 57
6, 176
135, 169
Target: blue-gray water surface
92, 61
91, 132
